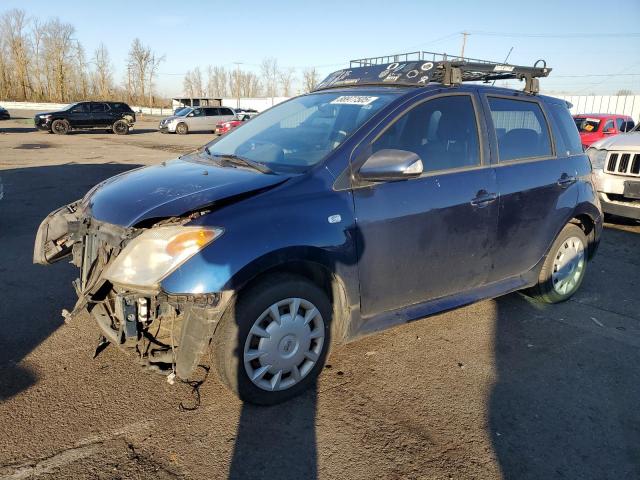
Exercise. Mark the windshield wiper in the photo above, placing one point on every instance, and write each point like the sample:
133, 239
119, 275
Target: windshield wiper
241, 161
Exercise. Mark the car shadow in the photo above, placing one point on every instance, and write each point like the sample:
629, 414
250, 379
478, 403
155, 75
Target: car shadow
279, 441
559, 409
33, 296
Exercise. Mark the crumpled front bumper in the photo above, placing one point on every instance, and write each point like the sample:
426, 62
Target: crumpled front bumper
166, 332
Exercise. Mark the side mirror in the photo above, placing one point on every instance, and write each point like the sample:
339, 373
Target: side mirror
391, 164
191, 114
608, 131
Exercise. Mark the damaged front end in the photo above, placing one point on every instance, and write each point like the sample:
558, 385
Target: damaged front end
166, 332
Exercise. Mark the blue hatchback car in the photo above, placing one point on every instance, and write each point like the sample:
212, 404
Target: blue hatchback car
392, 192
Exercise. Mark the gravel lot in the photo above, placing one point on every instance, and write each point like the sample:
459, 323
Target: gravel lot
505, 388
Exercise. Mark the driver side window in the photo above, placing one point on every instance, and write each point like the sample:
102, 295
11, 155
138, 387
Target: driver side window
443, 132
80, 108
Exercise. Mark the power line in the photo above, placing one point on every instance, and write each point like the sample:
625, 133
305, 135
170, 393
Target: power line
554, 35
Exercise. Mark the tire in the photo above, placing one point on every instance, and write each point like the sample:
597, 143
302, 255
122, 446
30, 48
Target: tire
558, 281
120, 127
293, 355
60, 127
182, 129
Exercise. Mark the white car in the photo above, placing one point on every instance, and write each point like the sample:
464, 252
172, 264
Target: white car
616, 168
197, 119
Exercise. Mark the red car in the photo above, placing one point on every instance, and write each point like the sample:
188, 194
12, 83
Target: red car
224, 127
594, 126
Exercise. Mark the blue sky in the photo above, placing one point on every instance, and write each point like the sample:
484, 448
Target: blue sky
571, 36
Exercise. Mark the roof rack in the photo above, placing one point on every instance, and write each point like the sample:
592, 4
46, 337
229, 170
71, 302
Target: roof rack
420, 68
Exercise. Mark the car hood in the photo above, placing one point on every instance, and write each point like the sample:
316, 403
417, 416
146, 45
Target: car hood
171, 189
172, 117
625, 141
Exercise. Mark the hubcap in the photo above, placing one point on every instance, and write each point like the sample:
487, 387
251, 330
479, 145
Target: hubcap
284, 344
568, 266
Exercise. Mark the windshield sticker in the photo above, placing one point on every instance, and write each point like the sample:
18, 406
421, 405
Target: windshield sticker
354, 100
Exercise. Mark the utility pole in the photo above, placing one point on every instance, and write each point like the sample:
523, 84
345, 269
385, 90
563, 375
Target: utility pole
464, 43
238, 82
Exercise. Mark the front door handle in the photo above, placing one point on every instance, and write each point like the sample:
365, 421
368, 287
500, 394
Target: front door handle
565, 180
483, 198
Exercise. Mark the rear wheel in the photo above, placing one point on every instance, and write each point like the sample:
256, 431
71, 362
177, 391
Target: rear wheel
272, 342
60, 127
182, 129
120, 127
564, 267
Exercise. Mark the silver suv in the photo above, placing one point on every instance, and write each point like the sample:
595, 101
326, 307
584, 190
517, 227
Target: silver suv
198, 119
616, 168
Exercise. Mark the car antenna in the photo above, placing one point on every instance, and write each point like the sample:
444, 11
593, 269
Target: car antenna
505, 61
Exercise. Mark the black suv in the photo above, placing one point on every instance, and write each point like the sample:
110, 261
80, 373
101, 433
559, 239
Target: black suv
114, 116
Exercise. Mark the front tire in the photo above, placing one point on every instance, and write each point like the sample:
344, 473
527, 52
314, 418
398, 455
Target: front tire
564, 268
272, 341
182, 129
60, 127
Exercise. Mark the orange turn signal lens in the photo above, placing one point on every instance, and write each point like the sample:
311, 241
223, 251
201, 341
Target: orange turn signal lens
189, 240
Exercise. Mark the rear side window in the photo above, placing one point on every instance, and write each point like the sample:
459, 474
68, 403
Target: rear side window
620, 124
210, 112
521, 129
99, 107
567, 127
443, 132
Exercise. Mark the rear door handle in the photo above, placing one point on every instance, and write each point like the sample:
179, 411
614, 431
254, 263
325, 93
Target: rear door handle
483, 198
565, 180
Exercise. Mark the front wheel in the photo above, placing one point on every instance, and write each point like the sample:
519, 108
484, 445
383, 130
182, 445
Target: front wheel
564, 267
273, 340
182, 129
60, 127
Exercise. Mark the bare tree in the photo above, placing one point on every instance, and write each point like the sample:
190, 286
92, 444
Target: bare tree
217, 82
13, 26
310, 79
286, 81
58, 50
270, 75
153, 70
102, 75
81, 76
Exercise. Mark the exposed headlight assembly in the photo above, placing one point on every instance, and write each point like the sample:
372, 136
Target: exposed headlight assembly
597, 158
154, 254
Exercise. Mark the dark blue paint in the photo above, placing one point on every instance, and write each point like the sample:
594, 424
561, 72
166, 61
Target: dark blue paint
398, 245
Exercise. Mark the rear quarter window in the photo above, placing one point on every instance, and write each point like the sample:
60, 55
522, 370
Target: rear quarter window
521, 129
567, 128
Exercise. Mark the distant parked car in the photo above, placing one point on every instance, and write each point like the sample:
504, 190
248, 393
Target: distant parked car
199, 119
616, 170
224, 127
596, 126
246, 113
114, 116
4, 114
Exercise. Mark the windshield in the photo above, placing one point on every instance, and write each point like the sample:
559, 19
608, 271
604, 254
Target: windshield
182, 112
587, 124
297, 134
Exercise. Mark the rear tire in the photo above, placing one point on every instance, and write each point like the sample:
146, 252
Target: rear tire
182, 129
265, 353
564, 268
120, 127
60, 127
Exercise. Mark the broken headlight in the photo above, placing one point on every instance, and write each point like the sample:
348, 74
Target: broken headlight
154, 254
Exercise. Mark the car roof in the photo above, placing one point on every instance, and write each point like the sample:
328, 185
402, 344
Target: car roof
600, 115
